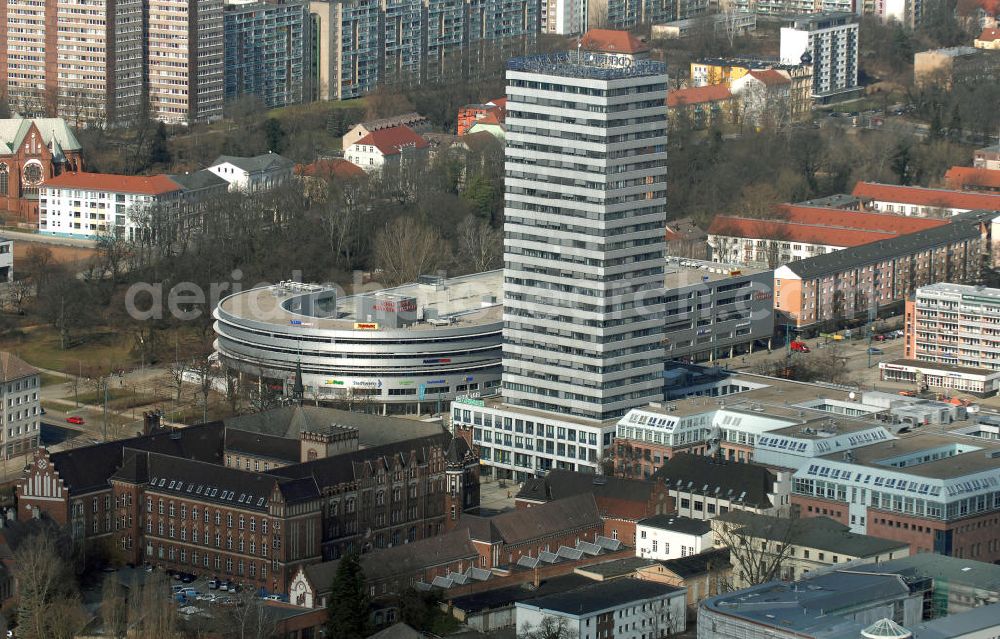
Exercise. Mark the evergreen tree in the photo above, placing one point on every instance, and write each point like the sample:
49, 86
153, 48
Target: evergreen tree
159, 153
274, 135
348, 606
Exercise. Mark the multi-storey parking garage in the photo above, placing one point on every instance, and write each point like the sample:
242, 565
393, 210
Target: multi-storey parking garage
408, 349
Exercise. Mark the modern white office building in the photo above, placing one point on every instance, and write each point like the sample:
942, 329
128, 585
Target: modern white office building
586, 179
830, 41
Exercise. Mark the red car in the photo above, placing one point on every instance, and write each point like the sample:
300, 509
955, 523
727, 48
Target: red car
75, 420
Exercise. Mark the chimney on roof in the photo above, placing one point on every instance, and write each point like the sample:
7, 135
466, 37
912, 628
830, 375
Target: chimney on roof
150, 422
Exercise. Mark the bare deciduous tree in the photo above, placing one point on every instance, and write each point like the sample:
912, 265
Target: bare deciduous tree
405, 249
759, 546
114, 607
43, 580
547, 628
480, 246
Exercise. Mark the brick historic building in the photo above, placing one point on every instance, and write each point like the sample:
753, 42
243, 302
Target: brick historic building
31, 151
174, 498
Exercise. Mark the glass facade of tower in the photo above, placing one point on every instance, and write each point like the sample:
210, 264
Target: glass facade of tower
585, 207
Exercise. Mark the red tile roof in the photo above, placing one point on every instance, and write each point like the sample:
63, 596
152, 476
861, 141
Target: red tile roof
814, 225
392, 140
926, 197
335, 167
612, 41
141, 184
770, 77
958, 177
698, 95
989, 35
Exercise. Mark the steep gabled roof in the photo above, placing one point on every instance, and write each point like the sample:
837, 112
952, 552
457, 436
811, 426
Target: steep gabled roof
698, 95
86, 469
926, 197
393, 140
693, 565
13, 367
815, 225
770, 77
139, 184
328, 168
747, 483
613, 41
53, 131
403, 560
989, 35
960, 228
616, 496
958, 177
518, 526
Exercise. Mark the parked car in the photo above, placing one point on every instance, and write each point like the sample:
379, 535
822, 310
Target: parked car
874, 351
274, 598
799, 347
187, 577
213, 584
189, 592
880, 338
75, 420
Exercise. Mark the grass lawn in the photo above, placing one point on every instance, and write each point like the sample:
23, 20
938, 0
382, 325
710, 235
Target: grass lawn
49, 380
40, 347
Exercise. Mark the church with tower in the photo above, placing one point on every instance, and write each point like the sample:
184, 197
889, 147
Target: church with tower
33, 150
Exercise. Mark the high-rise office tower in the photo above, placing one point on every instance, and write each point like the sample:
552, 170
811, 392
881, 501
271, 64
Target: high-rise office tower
584, 299
586, 180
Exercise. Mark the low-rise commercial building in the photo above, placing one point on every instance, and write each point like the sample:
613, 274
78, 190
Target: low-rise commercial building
797, 231
953, 585
922, 202
828, 289
668, 536
798, 546
408, 349
850, 602
988, 39
703, 487
621, 608
716, 310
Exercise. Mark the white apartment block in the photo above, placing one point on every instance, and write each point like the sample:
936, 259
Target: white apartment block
91, 204
564, 17
955, 324
663, 537
830, 41
184, 44
21, 414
